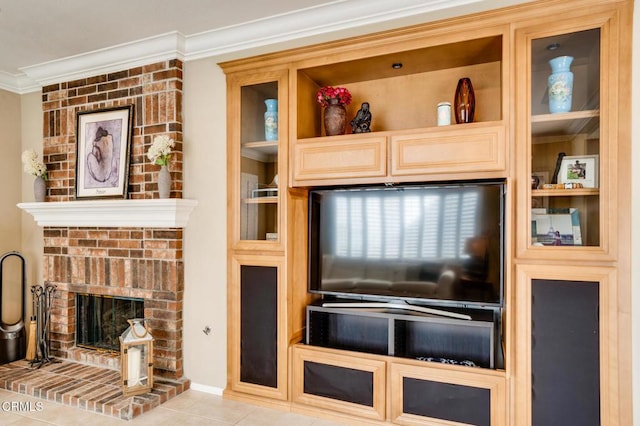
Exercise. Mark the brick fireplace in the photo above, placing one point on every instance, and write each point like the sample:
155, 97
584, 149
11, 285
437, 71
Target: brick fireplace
136, 262
142, 263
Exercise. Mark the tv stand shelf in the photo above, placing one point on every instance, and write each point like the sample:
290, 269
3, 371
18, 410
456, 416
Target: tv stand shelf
406, 334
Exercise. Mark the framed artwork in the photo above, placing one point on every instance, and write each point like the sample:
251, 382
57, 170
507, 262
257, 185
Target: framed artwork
581, 169
103, 139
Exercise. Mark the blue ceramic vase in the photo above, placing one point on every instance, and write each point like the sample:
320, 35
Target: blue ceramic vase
560, 85
271, 120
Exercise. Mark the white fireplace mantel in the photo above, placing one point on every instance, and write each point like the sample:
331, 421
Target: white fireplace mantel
155, 213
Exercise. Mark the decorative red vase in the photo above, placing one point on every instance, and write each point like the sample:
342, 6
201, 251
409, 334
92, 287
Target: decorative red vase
464, 103
335, 118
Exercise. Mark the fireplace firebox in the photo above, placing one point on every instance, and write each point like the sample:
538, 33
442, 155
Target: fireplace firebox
100, 320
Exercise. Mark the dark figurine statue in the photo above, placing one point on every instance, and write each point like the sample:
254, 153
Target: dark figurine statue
361, 123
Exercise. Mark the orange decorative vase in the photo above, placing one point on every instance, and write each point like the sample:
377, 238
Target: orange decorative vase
335, 118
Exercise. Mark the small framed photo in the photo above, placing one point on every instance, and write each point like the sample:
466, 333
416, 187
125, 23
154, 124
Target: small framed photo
581, 169
103, 140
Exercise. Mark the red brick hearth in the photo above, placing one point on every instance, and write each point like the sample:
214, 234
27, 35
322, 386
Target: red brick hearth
85, 387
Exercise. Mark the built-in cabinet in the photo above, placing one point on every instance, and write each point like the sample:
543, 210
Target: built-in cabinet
564, 351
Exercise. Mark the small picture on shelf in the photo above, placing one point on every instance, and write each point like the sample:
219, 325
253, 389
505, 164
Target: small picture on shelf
555, 227
582, 169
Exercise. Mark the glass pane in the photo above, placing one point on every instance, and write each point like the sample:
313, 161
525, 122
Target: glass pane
259, 162
565, 151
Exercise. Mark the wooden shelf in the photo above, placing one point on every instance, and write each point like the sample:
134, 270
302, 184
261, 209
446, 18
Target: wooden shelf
261, 200
565, 192
262, 147
567, 123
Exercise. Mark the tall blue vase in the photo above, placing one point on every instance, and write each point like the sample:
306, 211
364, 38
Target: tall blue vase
271, 120
560, 85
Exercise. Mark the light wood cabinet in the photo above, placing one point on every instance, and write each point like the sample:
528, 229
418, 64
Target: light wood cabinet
340, 381
573, 147
514, 137
567, 358
471, 148
336, 158
266, 240
257, 333
446, 395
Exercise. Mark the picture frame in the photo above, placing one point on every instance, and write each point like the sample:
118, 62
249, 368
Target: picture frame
103, 143
556, 227
582, 169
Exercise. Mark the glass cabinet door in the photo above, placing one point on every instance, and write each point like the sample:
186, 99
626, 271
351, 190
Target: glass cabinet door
259, 161
565, 139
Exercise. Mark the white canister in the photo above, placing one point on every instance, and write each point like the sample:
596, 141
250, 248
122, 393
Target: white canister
444, 113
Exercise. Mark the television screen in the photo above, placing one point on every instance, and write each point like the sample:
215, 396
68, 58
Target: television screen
427, 244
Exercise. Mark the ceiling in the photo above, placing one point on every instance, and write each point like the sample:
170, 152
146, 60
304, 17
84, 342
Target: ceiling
44, 42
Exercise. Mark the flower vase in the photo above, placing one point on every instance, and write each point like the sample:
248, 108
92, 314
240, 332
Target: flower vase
335, 118
560, 85
39, 189
164, 182
271, 120
464, 102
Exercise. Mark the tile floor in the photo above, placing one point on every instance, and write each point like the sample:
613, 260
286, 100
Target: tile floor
189, 408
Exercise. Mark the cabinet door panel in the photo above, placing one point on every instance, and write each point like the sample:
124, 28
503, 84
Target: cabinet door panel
338, 381
474, 147
565, 360
257, 333
428, 393
464, 404
565, 356
335, 158
343, 384
259, 325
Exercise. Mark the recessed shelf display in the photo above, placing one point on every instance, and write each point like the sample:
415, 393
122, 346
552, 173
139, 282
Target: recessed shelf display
428, 75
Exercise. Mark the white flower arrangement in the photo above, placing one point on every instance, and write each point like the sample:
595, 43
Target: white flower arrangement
160, 150
32, 165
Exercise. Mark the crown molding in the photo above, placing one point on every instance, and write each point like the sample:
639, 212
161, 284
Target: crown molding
111, 59
324, 19
18, 83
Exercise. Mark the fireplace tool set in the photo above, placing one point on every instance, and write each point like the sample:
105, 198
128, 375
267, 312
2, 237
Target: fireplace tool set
42, 297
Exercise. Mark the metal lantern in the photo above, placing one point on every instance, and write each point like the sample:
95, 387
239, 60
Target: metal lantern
136, 358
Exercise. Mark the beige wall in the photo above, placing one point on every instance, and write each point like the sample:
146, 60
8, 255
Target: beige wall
10, 224
205, 240
31, 133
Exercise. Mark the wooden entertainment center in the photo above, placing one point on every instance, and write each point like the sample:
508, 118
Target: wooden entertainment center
565, 323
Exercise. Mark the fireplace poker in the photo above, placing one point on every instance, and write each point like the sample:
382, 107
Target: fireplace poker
49, 290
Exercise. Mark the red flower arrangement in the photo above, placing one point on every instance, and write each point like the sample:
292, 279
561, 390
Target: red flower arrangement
327, 93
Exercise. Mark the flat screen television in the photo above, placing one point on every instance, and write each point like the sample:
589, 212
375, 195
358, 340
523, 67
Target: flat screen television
423, 244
